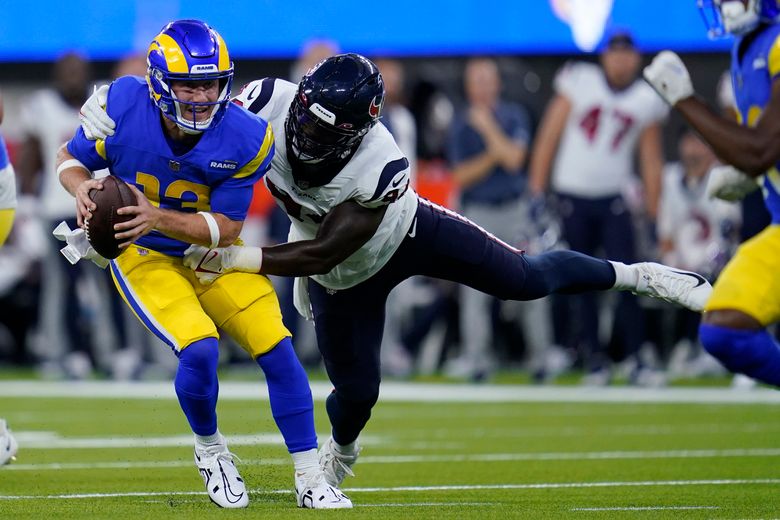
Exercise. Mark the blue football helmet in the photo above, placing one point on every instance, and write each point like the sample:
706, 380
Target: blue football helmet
337, 103
724, 17
189, 50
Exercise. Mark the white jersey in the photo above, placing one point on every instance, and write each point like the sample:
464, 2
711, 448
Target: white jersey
596, 152
48, 118
376, 175
692, 221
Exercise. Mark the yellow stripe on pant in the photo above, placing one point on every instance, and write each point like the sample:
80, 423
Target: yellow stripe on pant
168, 299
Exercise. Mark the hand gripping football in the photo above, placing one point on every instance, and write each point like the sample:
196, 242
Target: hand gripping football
100, 227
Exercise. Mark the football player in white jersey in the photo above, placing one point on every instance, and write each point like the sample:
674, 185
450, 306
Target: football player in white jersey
359, 229
600, 117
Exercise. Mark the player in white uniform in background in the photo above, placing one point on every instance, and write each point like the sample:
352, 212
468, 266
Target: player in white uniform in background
8, 444
359, 229
600, 117
49, 117
695, 232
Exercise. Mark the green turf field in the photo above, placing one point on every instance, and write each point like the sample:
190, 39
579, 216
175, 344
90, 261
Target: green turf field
123, 457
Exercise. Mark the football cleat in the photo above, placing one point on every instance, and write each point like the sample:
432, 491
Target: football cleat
691, 290
223, 483
314, 492
336, 466
8, 444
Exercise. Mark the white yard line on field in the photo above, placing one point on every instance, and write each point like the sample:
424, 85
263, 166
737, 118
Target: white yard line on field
403, 391
400, 489
417, 459
645, 508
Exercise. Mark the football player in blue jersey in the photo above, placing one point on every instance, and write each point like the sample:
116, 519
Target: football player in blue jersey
746, 297
191, 159
358, 229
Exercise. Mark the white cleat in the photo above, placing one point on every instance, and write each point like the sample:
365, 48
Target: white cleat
8, 444
691, 290
336, 465
314, 492
223, 483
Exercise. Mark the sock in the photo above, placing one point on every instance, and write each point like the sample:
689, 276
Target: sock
291, 402
306, 461
754, 353
625, 276
209, 440
347, 418
197, 386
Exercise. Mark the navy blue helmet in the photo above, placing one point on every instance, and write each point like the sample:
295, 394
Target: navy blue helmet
337, 103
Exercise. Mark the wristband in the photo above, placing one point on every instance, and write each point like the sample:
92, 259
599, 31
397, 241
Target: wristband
211, 222
248, 259
71, 163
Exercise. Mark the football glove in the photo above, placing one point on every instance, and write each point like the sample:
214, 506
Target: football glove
669, 77
210, 264
78, 245
93, 116
727, 183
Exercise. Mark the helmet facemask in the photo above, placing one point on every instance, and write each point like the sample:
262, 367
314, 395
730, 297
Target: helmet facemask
313, 138
189, 51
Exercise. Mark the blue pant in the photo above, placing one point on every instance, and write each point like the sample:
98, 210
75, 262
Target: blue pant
349, 323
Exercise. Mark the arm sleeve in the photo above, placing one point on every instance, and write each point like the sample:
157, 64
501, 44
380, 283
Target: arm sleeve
91, 153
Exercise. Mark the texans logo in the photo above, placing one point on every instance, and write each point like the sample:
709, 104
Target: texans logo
375, 107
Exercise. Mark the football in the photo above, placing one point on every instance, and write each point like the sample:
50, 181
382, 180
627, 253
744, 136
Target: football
100, 227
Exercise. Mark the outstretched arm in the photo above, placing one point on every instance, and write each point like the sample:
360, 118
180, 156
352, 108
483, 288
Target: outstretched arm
345, 229
752, 150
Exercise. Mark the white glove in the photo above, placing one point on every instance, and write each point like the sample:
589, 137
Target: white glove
210, 264
94, 119
727, 183
669, 77
78, 246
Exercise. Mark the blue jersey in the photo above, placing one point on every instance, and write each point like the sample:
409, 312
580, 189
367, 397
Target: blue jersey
215, 175
755, 65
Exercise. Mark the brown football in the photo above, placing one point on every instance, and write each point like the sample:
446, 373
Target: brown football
100, 227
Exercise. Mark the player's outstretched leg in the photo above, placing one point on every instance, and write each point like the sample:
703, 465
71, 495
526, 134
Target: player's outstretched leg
8, 444
223, 483
691, 290
336, 462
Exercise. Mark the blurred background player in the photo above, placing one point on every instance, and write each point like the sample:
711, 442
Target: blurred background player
746, 296
696, 233
599, 118
197, 174
75, 334
8, 444
487, 149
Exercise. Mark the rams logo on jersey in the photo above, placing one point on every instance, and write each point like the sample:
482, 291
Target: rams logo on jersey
223, 165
